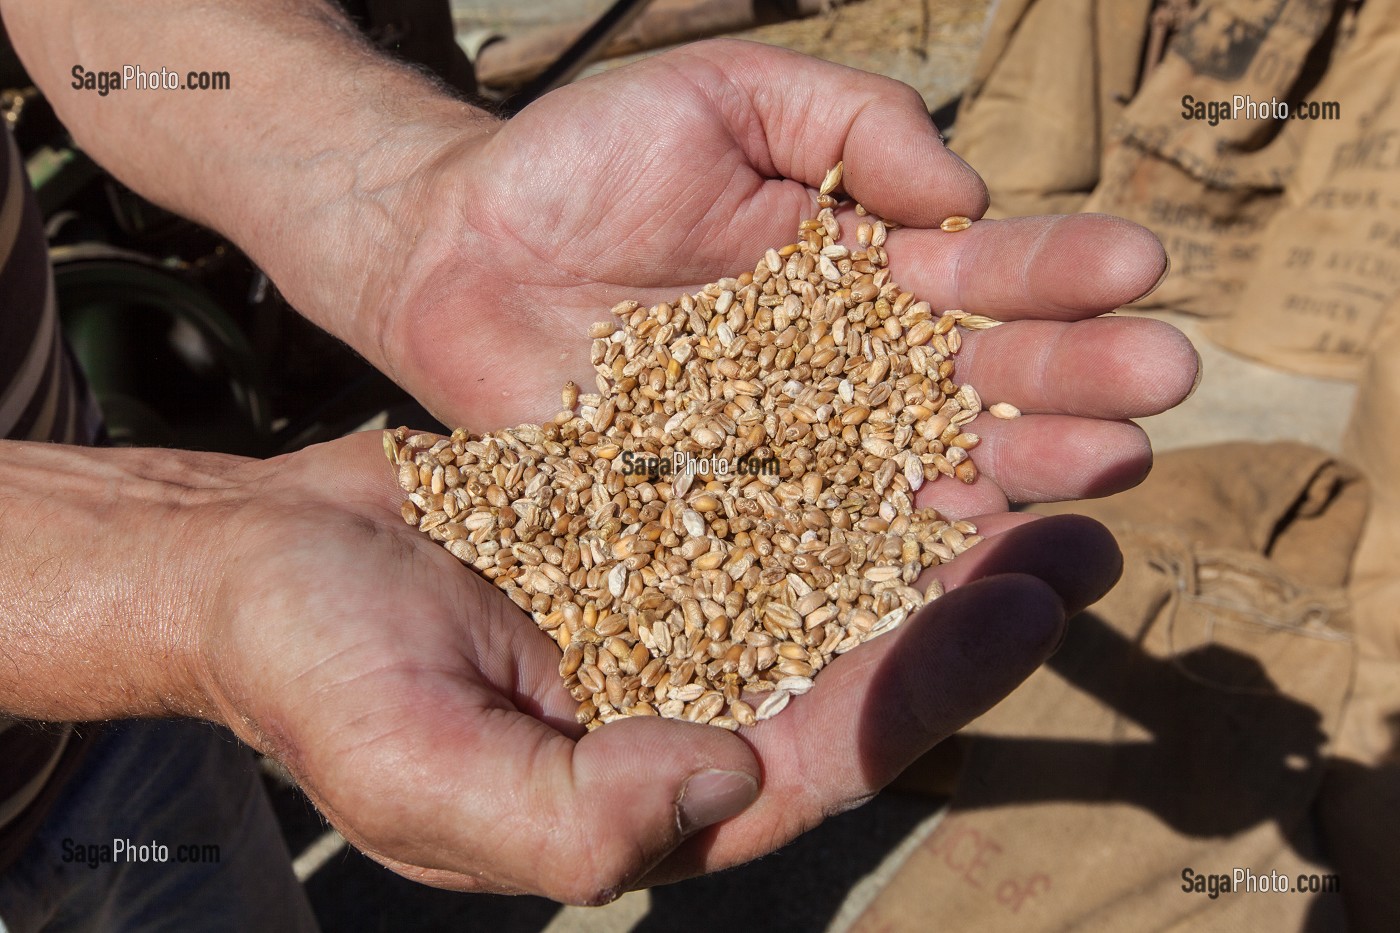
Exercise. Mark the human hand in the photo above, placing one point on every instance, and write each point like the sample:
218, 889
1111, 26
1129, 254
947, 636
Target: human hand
423, 712
651, 180
418, 707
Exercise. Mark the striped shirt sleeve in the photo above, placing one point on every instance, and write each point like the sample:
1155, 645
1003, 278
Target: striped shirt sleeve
42, 398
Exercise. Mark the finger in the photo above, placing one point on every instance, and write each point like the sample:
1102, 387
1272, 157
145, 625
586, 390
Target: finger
958, 656
954, 499
602, 810
1074, 554
1042, 458
952, 663
798, 116
876, 709
1065, 267
1047, 458
1114, 367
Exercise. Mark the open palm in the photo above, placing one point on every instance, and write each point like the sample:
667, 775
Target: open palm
424, 714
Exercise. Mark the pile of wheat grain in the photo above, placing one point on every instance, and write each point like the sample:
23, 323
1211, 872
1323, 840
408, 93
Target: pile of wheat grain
734, 506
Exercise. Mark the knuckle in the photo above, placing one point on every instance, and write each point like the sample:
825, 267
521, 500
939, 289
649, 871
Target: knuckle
591, 889
911, 95
607, 865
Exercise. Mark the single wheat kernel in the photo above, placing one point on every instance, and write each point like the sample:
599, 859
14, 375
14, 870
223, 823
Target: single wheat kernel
833, 178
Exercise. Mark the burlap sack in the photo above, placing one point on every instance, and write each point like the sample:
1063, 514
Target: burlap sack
1329, 261
1284, 232
1182, 726
1052, 76
1209, 191
1361, 796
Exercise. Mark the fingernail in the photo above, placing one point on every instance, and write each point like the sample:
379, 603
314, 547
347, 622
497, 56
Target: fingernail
1060, 642
1200, 372
711, 796
1166, 271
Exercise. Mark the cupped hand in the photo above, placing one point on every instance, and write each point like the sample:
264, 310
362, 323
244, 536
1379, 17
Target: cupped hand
423, 712
651, 180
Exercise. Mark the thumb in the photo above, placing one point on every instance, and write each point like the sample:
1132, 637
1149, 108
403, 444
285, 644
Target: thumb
527, 809
812, 114
653, 783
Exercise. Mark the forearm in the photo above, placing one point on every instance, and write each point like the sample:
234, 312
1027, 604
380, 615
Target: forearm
306, 161
103, 578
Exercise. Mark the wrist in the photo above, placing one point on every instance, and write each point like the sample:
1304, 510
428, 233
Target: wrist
309, 160
108, 573
354, 220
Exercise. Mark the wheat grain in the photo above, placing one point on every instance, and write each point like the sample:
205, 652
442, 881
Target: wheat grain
696, 595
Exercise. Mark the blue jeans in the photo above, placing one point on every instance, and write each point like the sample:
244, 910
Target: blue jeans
164, 826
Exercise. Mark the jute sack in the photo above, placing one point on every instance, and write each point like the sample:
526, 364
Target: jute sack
1209, 191
1051, 77
1361, 795
1329, 262
1179, 733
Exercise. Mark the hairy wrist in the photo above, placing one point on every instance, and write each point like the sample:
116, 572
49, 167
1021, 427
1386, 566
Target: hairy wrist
312, 159
365, 217
109, 566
